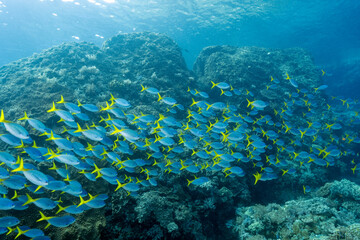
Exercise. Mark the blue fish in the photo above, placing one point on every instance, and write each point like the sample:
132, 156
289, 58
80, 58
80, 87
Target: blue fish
198, 181
6, 204
9, 221
61, 222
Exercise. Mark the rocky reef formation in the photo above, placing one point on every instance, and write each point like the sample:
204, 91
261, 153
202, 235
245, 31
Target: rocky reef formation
82, 71
176, 211
251, 68
330, 213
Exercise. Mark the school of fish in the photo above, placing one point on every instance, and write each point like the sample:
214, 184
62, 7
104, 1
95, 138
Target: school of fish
215, 137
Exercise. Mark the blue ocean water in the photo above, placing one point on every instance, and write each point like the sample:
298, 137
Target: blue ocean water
329, 30
179, 119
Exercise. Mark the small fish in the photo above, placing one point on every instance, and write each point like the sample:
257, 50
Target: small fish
15, 182
63, 221
226, 93
167, 100
11, 139
9, 221
120, 102
198, 181
31, 233
16, 130
218, 106
73, 108
91, 134
322, 87
36, 177
67, 159
82, 116
43, 203
257, 104
221, 85
131, 187
89, 107
67, 116
55, 185
150, 90
294, 83
237, 171
7, 158
128, 134
6, 204
72, 209
306, 189
204, 94
38, 125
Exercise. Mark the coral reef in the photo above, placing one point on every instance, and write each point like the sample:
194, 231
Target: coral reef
85, 72
251, 67
330, 213
175, 211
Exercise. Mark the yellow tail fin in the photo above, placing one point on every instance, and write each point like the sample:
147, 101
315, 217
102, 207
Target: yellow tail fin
79, 129
21, 167
21, 145
30, 200
112, 98
2, 118
213, 84
60, 209
189, 182
61, 100
25, 117
43, 217
20, 232
193, 102
53, 109
249, 103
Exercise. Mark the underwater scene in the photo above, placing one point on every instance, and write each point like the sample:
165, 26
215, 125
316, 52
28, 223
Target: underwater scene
179, 119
